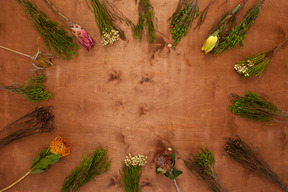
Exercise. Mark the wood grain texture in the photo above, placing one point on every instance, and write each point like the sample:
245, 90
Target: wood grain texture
161, 98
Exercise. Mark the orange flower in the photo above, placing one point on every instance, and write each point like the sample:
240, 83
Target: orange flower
60, 146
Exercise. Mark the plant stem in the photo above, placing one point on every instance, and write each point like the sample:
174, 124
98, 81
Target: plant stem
57, 11
17, 181
280, 45
174, 183
15, 51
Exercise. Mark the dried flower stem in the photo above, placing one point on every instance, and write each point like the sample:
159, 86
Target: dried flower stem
177, 188
251, 159
16, 52
58, 12
203, 14
6, 188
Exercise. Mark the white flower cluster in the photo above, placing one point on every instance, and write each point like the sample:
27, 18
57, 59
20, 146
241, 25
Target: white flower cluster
244, 67
138, 160
110, 37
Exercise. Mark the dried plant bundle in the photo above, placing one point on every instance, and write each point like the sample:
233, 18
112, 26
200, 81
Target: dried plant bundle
88, 169
253, 106
38, 121
251, 159
54, 36
202, 165
254, 65
182, 19
146, 17
238, 33
34, 91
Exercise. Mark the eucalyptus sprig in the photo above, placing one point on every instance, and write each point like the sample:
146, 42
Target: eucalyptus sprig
254, 65
146, 18
251, 159
238, 33
202, 165
253, 106
38, 121
165, 165
217, 30
54, 35
88, 169
182, 18
131, 172
34, 91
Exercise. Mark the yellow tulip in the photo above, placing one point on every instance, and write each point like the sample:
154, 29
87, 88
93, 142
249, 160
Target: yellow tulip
209, 44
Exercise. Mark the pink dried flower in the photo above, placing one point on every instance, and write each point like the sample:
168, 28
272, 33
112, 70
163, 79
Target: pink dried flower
82, 36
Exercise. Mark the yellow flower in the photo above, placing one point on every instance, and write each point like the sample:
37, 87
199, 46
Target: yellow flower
209, 44
60, 146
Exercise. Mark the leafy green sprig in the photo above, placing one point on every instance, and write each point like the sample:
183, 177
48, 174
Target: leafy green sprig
202, 165
203, 14
251, 159
54, 36
146, 19
34, 91
254, 65
238, 33
182, 18
253, 106
89, 168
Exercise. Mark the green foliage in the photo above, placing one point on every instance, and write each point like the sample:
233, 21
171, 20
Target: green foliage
34, 91
238, 33
202, 165
53, 35
203, 14
146, 18
43, 160
252, 106
182, 18
89, 167
130, 176
249, 158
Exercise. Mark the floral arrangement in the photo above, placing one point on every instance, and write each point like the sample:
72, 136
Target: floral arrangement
88, 169
254, 65
202, 165
77, 30
165, 165
253, 106
40, 60
58, 149
249, 158
131, 172
53, 35
238, 33
217, 30
34, 91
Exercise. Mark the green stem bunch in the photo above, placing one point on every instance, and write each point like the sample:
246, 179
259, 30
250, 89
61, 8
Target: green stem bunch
249, 158
238, 33
254, 65
38, 121
34, 91
146, 18
131, 172
253, 106
202, 165
53, 35
182, 19
89, 168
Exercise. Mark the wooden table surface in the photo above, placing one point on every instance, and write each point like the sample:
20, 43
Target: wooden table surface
183, 105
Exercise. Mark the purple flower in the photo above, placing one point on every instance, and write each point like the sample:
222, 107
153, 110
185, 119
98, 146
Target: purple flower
82, 36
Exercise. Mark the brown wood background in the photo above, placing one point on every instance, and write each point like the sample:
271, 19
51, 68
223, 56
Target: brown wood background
183, 106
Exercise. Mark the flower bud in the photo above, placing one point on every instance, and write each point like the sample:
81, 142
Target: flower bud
210, 43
